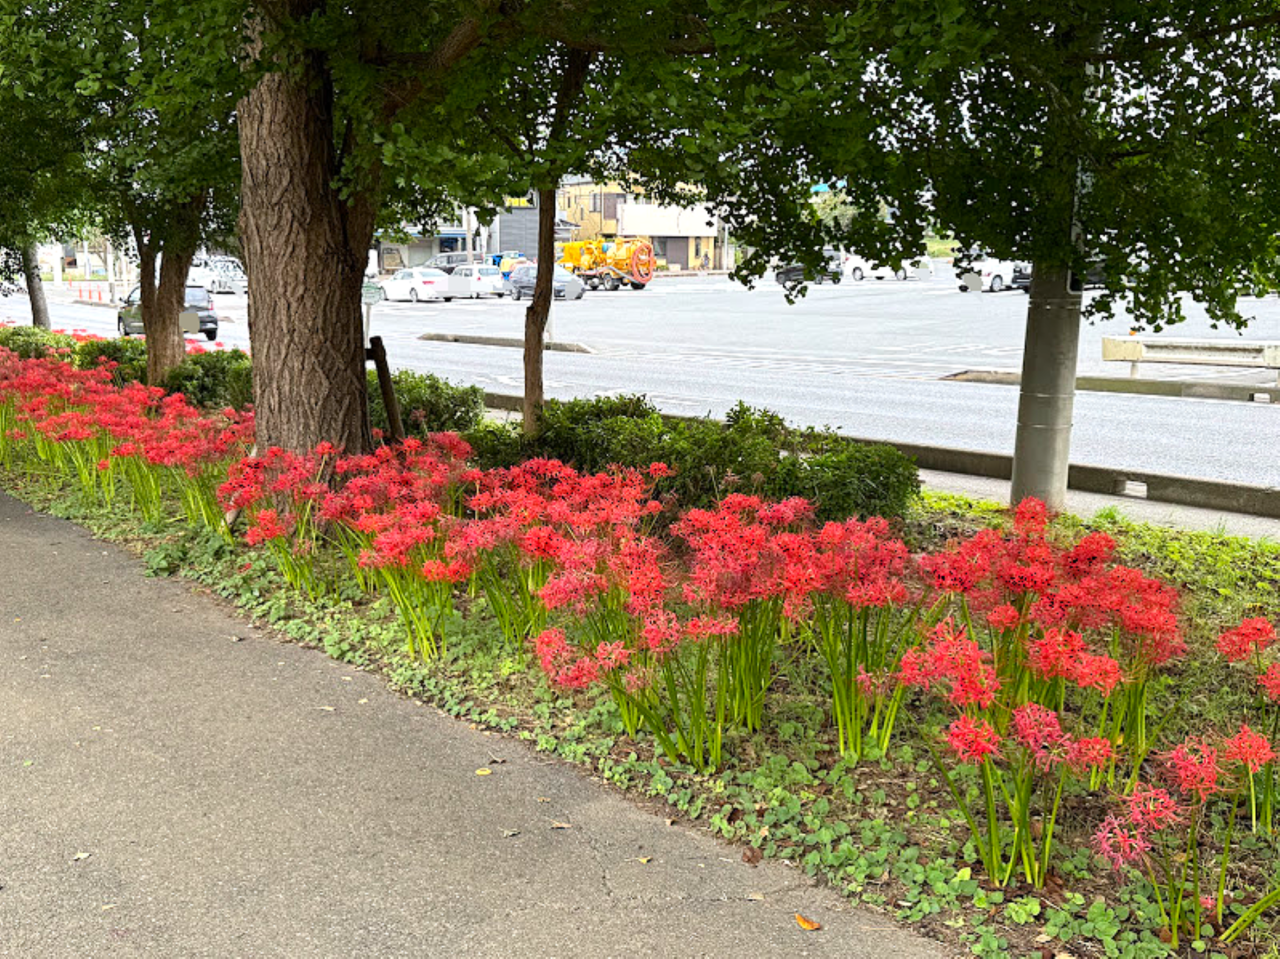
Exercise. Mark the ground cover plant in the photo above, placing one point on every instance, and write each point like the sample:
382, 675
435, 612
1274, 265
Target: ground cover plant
969, 727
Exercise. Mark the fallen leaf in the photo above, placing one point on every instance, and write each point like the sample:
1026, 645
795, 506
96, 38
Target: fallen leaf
643, 860
751, 855
671, 821
510, 833
347, 679
807, 924
361, 702
81, 855
495, 761
561, 825
543, 799
327, 709
484, 772
754, 897
110, 905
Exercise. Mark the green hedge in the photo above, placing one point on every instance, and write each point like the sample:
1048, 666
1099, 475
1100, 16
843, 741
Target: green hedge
753, 451
428, 404
215, 380
129, 355
31, 342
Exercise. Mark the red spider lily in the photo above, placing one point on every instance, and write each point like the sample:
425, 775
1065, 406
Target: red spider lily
1038, 729
1119, 842
1250, 748
1270, 682
1193, 766
1150, 808
1088, 754
1250, 638
973, 740
950, 657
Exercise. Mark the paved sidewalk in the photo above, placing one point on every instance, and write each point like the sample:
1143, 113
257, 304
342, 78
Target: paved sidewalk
167, 791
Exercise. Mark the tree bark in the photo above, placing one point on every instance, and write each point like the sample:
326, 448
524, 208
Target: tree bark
1043, 445
35, 287
535, 317
166, 346
163, 298
306, 249
572, 82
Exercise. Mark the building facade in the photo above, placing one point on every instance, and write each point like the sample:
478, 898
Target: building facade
683, 238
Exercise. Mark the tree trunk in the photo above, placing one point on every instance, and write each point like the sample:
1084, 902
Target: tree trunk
1042, 449
305, 250
535, 317
166, 347
35, 287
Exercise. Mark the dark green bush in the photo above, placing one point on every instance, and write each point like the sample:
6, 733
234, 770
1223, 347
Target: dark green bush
130, 357
215, 380
428, 404
752, 451
31, 342
852, 480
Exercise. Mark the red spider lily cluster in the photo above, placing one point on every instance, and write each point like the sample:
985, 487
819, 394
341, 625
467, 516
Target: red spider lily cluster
1159, 826
133, 438
1038, 654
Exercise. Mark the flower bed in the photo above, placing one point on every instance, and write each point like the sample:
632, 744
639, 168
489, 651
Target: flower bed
1036, 673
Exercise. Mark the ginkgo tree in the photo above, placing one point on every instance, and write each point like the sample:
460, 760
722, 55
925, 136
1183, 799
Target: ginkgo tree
151, 91
1138, 137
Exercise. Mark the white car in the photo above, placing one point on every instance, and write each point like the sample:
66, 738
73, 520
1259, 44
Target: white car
417, 283
989, 275
228, 277
859, 268
476, 280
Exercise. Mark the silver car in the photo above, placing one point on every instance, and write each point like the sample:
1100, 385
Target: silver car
197, 317
565, 285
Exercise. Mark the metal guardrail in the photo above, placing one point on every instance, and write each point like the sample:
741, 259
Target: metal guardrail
1136, 350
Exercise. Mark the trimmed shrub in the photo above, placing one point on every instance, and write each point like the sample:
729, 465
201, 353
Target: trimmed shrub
752, 451
31, 342
428, 404
130, 357
214, 380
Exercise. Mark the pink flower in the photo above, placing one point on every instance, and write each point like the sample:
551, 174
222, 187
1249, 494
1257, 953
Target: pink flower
1270, 682
1119, 842
1038, 729
1151, 808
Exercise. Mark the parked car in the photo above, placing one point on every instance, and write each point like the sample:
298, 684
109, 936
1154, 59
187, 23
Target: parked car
227, 276
859, 268
199, 276
417, 283
196, 317
476, 280
989, 274
1021, 277
448, 262
565, 285
793, 273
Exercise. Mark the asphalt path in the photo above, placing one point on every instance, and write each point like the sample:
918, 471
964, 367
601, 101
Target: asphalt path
177, 783
868, 358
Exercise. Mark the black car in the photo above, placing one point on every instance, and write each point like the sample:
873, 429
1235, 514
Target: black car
793, 273
1021, 278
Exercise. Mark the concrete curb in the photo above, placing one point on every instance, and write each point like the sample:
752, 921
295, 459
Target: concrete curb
1241, 392
1134, 484
502, 341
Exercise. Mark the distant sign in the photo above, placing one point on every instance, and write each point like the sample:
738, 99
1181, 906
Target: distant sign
370, 293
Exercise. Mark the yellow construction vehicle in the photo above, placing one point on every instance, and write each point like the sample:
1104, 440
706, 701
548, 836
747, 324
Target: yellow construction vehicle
611, 263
